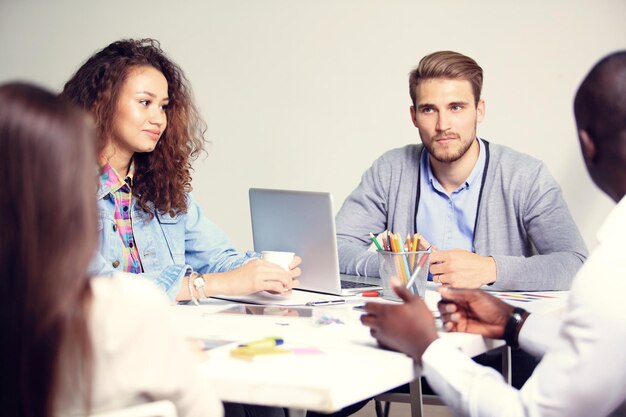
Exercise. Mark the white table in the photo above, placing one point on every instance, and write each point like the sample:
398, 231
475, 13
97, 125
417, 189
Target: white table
342, 364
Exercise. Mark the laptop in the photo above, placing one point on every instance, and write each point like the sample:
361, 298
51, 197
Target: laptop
303, 222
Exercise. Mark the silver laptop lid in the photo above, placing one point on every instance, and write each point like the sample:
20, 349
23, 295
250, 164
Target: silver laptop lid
300, 222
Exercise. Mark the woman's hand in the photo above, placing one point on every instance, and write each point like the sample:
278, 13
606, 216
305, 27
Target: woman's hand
256, 275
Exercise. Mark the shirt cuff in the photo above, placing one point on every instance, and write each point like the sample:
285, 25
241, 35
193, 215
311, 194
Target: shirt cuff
442, 360
170, 279
453, 375
538, 333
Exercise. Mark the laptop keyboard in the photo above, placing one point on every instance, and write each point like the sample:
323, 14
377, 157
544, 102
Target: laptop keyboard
352, 284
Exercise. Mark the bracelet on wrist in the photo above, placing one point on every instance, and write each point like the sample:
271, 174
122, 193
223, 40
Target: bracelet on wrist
190, 279
199, 284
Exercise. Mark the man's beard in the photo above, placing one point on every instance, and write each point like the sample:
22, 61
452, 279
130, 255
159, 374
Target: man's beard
448, 155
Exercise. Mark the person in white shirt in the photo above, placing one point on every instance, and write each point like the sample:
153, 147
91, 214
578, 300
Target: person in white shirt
74, 345
583, 367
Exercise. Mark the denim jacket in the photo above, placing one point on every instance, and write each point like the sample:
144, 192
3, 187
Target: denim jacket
169, 247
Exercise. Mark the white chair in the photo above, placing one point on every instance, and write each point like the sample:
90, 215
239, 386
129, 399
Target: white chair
162, 408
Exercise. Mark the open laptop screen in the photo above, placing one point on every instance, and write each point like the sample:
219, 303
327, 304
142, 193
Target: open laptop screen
301, 222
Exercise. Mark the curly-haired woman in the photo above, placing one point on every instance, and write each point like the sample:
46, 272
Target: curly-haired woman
149, 132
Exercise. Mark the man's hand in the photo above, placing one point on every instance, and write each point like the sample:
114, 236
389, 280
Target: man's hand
462, 269
473, 311
408, 327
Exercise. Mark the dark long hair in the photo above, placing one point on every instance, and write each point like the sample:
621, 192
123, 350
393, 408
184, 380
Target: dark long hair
47, 239
162, 176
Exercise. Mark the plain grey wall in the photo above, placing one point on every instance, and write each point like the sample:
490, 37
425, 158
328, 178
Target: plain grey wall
306, 94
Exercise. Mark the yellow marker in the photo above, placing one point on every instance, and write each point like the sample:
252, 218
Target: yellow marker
266, 342
252, 353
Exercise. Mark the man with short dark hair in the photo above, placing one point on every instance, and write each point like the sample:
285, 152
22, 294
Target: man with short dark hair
495, 215
583, 369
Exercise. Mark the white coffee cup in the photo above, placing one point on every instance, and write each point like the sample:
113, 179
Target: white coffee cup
282, 259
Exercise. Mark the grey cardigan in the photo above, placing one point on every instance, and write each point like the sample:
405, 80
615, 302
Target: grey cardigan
522, 221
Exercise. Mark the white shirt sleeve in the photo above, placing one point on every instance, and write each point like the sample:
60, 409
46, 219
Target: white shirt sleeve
468, 388
139, 353
539, 333
583, 371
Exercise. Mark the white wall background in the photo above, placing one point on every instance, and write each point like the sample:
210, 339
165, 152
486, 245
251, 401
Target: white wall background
306, 94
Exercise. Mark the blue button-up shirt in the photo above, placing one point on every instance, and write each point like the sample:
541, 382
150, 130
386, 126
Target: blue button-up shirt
447, 221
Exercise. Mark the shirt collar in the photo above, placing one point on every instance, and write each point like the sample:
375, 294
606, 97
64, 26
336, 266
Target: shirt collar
111, 181
471, 179
478, 167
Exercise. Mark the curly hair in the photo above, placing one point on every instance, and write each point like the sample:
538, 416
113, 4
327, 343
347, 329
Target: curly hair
162, 177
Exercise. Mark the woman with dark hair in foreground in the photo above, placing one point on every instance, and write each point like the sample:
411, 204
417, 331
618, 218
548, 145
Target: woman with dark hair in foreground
73, 345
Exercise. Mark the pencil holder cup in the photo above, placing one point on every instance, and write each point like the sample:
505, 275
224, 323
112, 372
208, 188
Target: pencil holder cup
409, 268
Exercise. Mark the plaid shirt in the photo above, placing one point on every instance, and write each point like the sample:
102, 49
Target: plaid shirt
120, 190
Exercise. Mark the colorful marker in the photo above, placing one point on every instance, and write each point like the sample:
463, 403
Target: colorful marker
264, 343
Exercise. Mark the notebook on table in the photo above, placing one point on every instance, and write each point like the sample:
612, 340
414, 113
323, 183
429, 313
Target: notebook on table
303, 222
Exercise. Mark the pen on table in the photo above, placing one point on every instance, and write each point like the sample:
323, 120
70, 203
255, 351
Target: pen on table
325, 302
265, 342
370, 294
375, 241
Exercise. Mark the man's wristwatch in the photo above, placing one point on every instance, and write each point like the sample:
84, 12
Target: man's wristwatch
513, 325
198, 283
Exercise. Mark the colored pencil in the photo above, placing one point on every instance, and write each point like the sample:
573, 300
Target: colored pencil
375, 241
